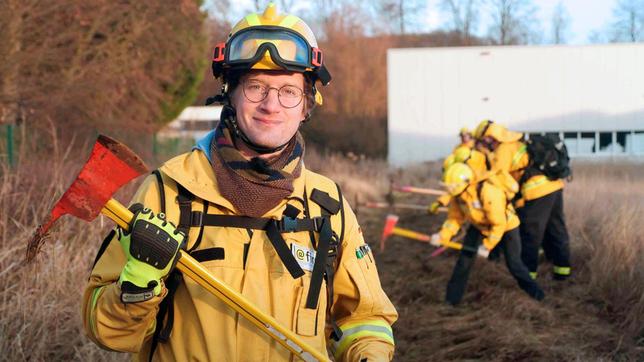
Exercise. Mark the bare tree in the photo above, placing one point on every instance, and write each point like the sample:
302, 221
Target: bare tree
398, 16
464, 16
560, 24
286, 5
628, 22
513, 22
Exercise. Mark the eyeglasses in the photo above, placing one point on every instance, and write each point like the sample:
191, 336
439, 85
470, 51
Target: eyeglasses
289, 96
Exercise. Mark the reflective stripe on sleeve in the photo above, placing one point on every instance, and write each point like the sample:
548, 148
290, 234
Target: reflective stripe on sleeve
494, 238
354, 331
91, 310
517, 156
451, 226
561, 270
536, 181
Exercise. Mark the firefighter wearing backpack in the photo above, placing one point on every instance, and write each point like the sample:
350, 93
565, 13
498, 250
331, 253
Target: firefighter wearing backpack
255, 217
540, 205
486, 205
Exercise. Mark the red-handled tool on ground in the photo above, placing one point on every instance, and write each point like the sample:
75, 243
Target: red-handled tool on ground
112, 165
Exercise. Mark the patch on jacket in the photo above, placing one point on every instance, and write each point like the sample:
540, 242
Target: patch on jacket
304, 256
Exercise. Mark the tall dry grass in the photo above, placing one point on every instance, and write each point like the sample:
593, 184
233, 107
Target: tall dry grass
605, 215
40, 303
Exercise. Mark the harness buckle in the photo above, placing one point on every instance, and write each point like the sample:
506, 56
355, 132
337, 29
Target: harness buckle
288, 224
196, 218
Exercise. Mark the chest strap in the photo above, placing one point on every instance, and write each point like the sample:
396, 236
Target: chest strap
284, 225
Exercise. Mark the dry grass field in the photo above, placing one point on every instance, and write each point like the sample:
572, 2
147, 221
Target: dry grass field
597, 315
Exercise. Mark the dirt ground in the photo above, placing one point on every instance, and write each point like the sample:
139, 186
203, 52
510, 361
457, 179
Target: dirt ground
496, 321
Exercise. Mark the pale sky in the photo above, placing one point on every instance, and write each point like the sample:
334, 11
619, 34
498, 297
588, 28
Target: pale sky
585, 16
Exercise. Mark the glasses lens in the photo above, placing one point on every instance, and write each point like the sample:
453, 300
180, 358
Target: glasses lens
290, 96
255, 91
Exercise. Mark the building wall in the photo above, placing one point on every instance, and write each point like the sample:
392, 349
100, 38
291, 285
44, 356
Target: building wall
592, 95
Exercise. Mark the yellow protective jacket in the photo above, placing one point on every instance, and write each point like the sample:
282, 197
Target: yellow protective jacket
513, 157
484, 205
205, 329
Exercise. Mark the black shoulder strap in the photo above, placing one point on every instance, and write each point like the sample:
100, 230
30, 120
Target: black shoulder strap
157, 173
104, 245
110, 236
326, 254
479, 188
162, 331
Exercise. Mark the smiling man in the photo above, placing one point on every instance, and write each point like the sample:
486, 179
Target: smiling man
245, 206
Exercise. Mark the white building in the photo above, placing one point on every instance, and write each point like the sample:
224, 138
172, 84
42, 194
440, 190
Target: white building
592, 96
193, 122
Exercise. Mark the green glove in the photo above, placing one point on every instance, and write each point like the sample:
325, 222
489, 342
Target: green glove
151, 249
433, 207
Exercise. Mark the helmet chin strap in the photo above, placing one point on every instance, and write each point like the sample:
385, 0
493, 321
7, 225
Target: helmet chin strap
229, 117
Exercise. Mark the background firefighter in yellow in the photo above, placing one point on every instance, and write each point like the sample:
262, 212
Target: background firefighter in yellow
467, 139
486, 206
540, 204
255, 217
465, 153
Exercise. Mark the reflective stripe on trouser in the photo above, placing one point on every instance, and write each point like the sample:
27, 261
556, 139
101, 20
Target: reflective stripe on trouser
511, 246
543, 223
354, 331
561, 270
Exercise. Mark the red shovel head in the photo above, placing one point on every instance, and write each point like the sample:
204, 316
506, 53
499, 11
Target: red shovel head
110, 166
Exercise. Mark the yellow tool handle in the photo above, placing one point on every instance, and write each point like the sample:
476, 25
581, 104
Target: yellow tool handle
424, 237
195, 271
453, 245
411, 234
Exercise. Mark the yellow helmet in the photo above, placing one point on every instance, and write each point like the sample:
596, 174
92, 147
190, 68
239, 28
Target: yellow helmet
480, 130
457, 177
496, 131
462, 153
464, 130
271, 41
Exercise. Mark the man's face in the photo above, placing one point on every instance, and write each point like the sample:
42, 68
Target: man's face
466, 137
268, 123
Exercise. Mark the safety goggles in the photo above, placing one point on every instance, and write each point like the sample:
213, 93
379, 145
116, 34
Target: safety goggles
287, 49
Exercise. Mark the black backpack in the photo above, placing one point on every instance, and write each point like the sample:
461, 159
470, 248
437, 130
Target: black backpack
549, 156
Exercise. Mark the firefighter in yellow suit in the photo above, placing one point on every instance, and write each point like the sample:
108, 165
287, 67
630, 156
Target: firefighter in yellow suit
540, 207
493, 223
464, 153
245, 206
